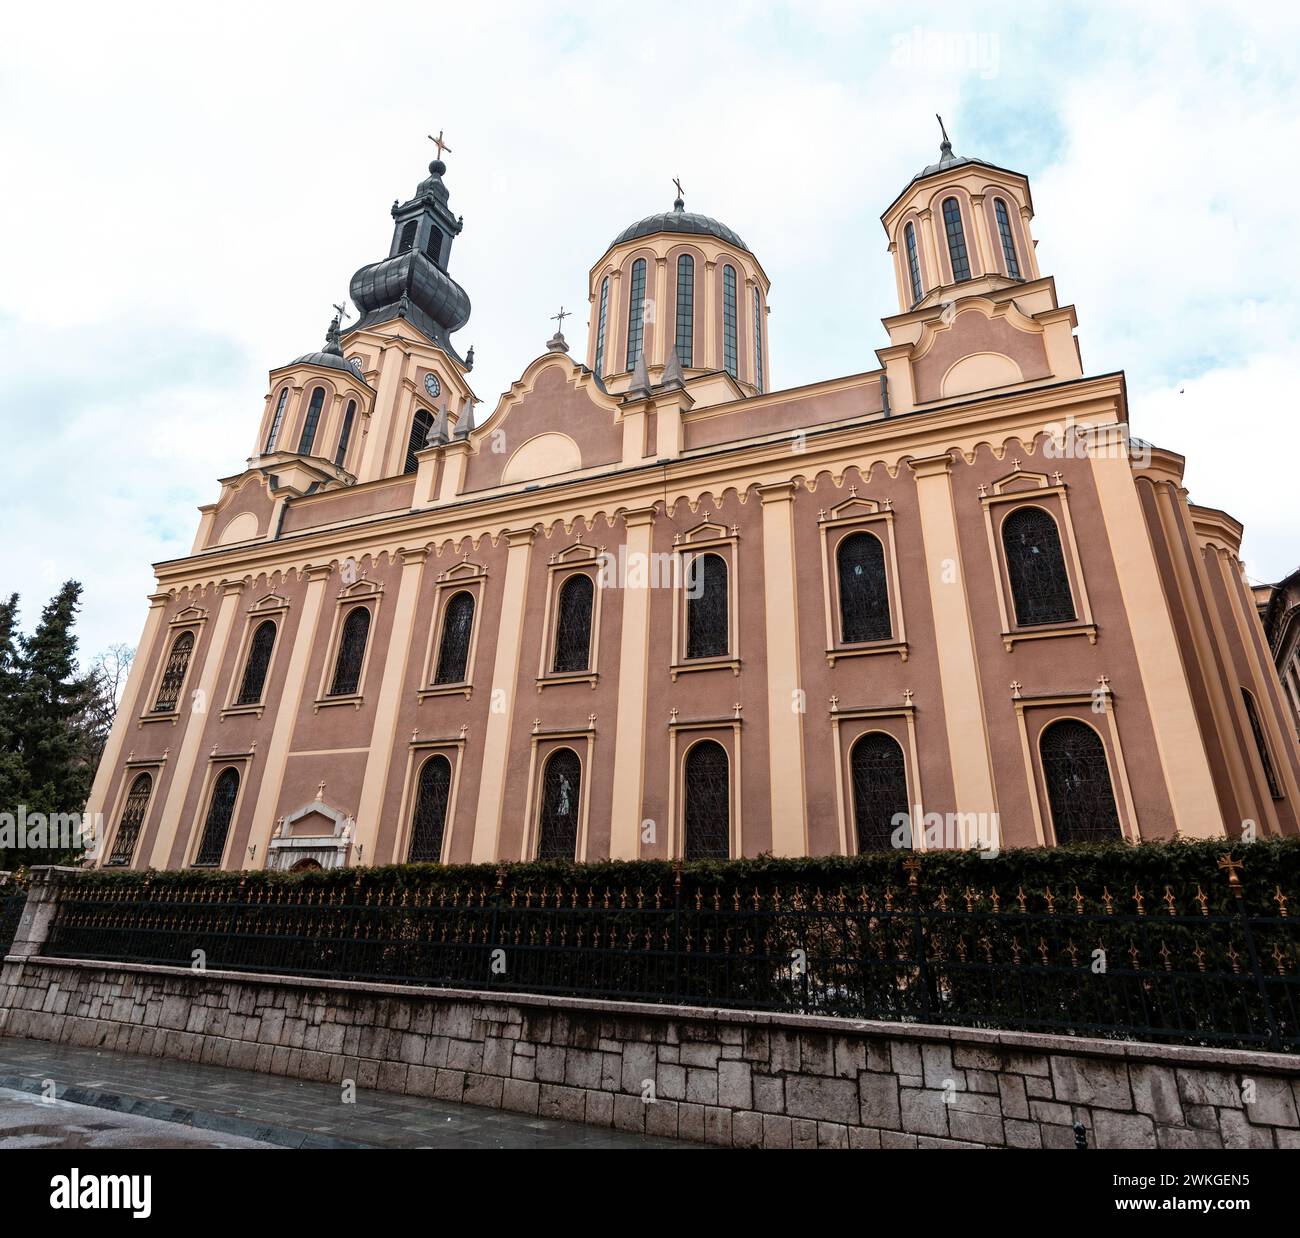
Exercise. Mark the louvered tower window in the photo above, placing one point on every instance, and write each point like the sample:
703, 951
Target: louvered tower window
173, 677
1078, 784
260, 649
684, 340
453, 649
879, 776
407, 243
128, 826
636, 313
707, 617
573, 625
1008, 240
956, 240
430, 820
351, 656
308, 437
730, 346
421, 424
561, 800
221, 809
864, 590
1040, 585
707, 802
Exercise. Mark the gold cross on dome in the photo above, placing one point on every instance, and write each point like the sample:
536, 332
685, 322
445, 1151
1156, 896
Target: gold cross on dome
440, 144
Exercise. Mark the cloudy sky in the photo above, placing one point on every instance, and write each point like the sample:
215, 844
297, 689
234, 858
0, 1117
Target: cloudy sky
188, 188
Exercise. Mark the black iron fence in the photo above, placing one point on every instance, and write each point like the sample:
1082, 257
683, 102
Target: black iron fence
1200, 967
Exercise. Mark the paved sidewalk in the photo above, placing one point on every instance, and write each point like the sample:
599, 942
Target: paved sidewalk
279, 1111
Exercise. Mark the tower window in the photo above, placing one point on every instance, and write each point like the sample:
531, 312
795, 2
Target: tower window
128, 826
276, 422
345, 435
421, 424
561, 796
707, 617
173, 678
707, 802
730, 349
260, 649
1040, 585
1261, 745
1008, 241
221, 809
1078, 784
308, 437
453, 650
864, 593
913, 263
573, 625
879, 777
956, 240
684, 343
433, 246
407, 242
352, 653
430, 818
636, 313
600, 328
758, 340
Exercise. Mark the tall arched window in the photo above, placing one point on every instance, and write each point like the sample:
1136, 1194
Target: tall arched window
345, 435
913, 263
430, 819
684, 340
956, 240
600, 328
259, 662
221, 808
407, 243
1078, 784
879, 776
352, 653
308, 437
636, 313
758, 340
421, 424
706, 802
173, 676
708, 628
730, 346
573, 625
132, 818
1261, 745
1040, 585
276, 422
864, 591
561, 803
453, 649
1008, 240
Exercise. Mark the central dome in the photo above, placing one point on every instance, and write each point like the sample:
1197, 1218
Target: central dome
680, 220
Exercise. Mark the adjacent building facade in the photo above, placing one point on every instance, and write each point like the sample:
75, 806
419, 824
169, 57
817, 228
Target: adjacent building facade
650, 607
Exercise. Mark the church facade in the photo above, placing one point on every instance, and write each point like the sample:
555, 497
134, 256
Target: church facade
650, 607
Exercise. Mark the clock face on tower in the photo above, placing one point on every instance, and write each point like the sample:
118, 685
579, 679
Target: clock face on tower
432, 385
358, 366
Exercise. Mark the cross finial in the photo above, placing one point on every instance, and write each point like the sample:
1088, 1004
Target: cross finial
945, 147
440, 144
681, 193
560, 317
341, 309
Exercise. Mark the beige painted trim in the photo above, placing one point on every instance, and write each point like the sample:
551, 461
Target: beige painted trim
505, 675
702, 729
361, 593
707, 537
192, 619
217, 764
582, 744
468, 578
844, 772
130, 772
416, 755
255, 616
576, 560
833, 528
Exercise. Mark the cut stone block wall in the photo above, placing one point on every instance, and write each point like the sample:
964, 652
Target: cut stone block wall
734, 1078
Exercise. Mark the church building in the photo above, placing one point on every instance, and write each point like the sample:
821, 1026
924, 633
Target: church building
651, 607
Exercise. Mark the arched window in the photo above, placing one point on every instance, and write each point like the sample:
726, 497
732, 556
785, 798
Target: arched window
758, 340
1040, 585
407, 243
706, 802
276, 422
1078, 784
221, 809
730, 346
864, 591
421, 424
308, 438
345, 435
600, 328
430, 818
1261, 745
453, 649
561, 803
684, 341
132, 818
913, 263
636, 313
433, 246
573, 625
173, 676
259, 661
352, 653
708, 628
879, 776
1008, 240
956, 240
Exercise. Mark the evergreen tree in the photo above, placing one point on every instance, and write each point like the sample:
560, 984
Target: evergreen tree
12, 781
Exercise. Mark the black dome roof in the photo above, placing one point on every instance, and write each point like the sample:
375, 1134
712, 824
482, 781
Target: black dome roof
680, 220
